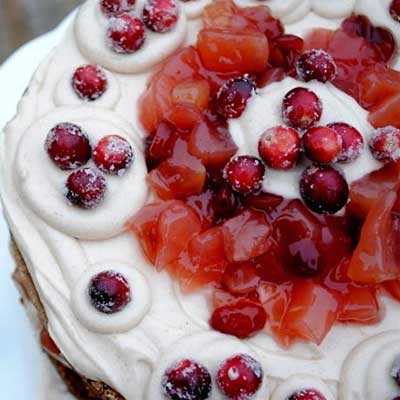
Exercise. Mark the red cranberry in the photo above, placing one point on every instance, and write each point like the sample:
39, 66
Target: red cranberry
160, 15
89, 82
352, 141
395, 373
316, 64
395, 10
126, 33
302, 108
324, 189
232, 98
85, 188
112, 8
385, 144
242, 319
109, 292
322, 145
307, 394
280, 147
244, 174
113, 154
187, 380
68, 146
240, 377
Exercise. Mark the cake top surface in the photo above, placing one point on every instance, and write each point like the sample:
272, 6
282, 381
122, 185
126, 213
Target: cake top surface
173, 248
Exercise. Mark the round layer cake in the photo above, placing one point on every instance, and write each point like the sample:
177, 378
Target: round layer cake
203, 197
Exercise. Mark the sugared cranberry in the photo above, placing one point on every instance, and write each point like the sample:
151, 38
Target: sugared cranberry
395, 372
114, 7
307, 394
68, 146
89, 82
352, 141
280, 147
240, 377
187, 380
160, 15
395, 10
385, 144
126, 33
113, 154
241, 319
85, 188
322, 145
232, 98
109, 292
316, 64
302, 108
244, 174
324, 189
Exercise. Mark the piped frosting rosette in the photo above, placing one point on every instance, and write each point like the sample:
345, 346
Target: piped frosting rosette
41, 183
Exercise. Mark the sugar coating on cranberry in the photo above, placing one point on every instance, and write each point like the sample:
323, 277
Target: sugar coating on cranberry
68, 146
280, 147
352, 141
111, 8
187, 380
240, 377
385, 144
322, 145
233, 96
160, 15
89, 82
113, 154
85, 188
394, 10
109, 292
324, 189
244, 174
307, 394
316, 64
395, 371
302, 108
125, 33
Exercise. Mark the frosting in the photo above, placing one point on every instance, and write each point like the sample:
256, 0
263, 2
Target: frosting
64, 246
264, 111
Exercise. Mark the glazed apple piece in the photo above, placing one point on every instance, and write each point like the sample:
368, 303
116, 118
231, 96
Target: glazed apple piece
179, 176
393, 288
246, 235
318, 39
241, 278
261, 18
284, 52
203, 205
386, 114
202, 262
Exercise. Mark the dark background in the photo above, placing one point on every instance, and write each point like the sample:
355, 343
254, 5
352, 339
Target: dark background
23, 20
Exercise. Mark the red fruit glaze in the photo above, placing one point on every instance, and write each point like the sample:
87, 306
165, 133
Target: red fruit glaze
284, 52
89, 82
307, 394
385, 144
244, 174
352, 141
280, 147
113, 154
109, 292
240, 377
316, 64
111, 8
68, 146
187, 380
241, 319
241, 278
301, 108
160, 15
324, 189
395, 10
232, 98
125, 33
322, 145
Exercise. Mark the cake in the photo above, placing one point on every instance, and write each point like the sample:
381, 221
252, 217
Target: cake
203, 196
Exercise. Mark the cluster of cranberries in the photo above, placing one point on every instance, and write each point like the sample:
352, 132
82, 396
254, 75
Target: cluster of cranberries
126, 32
109, 292
69, 148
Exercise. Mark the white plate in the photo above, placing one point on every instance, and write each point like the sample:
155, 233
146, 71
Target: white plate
24, 372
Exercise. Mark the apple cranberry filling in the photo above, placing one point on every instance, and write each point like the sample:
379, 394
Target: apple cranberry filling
289, 267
